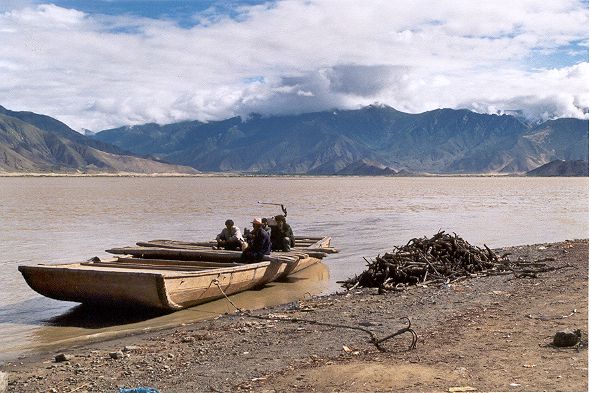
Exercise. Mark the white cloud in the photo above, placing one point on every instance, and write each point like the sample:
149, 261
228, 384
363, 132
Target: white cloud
546, 94
96, 71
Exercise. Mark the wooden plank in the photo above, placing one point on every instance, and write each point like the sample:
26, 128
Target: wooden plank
175, 245
192, 255
146, 266
178, 262
315, 238
323, 245
179, 254
329, 250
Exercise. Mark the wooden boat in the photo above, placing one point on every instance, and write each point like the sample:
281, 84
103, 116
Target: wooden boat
309, 244
167, 275
150, 283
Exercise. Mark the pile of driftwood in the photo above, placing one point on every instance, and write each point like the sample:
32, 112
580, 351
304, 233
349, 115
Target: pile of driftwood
442, 258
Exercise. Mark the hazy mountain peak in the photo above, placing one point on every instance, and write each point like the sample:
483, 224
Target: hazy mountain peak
378, 105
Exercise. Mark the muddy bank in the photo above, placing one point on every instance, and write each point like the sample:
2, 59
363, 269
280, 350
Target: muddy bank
490, 333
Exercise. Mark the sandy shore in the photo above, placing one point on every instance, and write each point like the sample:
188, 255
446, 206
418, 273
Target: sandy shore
487, 334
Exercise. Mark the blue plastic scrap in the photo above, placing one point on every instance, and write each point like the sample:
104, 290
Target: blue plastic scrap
138, 390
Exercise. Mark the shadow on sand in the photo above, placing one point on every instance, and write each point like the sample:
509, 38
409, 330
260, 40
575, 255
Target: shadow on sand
94, 317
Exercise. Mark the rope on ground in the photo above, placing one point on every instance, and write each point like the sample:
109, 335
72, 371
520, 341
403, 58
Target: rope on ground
217, 283
373, 339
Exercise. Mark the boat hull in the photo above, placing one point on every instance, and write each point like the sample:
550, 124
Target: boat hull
155, 288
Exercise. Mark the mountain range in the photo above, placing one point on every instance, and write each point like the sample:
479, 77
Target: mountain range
30, 142
363, 141
375, 140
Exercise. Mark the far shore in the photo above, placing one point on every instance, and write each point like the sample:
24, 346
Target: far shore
234, 174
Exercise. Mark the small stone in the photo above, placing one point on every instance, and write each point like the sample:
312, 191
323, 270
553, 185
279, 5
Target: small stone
62, 357
567, 338
116, 355
130, 348
188, 339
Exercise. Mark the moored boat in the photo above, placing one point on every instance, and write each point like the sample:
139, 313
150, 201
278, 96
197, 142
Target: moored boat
302, 243
157, 284
167, 275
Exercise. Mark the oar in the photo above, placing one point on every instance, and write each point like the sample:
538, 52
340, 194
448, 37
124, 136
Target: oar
283, 209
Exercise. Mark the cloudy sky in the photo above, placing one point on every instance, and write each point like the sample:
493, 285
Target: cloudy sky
105, 63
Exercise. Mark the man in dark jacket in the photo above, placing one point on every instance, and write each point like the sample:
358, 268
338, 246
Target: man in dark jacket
281, 235
259, 243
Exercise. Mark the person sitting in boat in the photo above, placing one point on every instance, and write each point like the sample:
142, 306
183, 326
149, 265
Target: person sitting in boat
259, 244
230, 238
281, 235
266, 226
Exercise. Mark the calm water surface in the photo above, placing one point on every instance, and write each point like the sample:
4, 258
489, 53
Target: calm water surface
51, 220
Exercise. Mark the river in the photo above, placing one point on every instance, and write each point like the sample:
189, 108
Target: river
70, 219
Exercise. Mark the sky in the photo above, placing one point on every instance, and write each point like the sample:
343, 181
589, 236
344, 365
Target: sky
98, 64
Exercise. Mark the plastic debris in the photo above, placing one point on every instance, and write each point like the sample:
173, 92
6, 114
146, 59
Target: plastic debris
138, 390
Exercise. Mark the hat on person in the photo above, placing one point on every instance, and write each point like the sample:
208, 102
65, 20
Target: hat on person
257, 220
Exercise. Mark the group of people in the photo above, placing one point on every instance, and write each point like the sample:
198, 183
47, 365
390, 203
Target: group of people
266, 235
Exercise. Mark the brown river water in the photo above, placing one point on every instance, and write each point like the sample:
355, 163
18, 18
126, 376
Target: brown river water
70, 219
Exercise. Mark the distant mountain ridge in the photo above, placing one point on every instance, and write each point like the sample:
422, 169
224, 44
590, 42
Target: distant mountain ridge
562, 168
443, 141
31, 142
367, 168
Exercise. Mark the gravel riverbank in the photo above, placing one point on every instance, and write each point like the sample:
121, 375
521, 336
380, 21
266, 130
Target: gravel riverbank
488, 333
